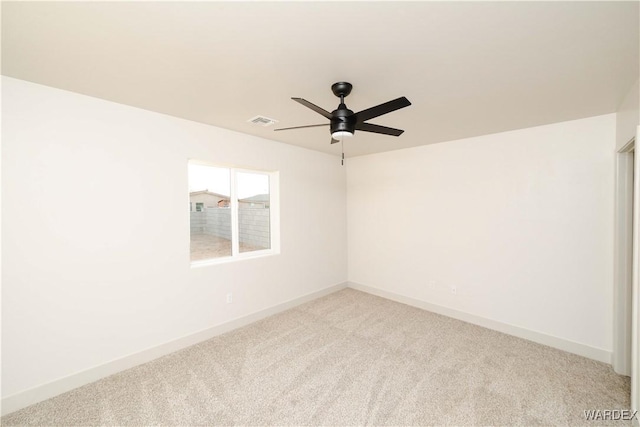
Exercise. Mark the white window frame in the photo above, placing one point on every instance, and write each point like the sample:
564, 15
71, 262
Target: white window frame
274, 216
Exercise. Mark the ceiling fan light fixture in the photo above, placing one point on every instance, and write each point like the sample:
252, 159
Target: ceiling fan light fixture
341, 134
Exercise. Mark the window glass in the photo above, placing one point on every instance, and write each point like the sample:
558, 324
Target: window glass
210, 223
253, 211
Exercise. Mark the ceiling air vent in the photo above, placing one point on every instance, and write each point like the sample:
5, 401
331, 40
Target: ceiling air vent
262, 121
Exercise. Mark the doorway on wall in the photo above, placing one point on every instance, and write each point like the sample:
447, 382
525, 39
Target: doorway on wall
625, 348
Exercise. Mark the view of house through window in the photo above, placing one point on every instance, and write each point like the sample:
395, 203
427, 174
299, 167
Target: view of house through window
230, 211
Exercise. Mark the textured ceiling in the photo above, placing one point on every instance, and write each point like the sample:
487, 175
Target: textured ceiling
469, 68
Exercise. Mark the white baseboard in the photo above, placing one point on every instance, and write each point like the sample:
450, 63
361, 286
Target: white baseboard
46, 391
517, 331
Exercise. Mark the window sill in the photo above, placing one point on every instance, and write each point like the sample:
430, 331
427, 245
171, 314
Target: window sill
230, 259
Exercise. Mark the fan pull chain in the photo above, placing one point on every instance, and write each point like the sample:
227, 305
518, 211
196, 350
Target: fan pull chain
342, 146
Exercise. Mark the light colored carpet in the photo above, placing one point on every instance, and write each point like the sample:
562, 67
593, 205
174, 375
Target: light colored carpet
349, 358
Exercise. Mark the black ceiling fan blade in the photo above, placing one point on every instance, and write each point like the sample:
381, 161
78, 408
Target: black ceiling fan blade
368, 127
313, 107
381, 109
302, 127
334, 141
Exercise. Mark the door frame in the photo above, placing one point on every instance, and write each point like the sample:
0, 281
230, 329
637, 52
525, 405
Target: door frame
625, 241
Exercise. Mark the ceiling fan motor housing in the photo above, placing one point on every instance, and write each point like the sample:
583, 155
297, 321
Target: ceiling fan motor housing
343, 120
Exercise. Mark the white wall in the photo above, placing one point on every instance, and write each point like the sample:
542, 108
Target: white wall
96, 232
520, 222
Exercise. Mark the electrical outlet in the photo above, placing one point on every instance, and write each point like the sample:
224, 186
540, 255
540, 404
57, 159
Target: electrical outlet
229, 298
454, 290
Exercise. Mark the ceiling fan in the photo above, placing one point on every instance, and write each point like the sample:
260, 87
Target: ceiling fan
344, 122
